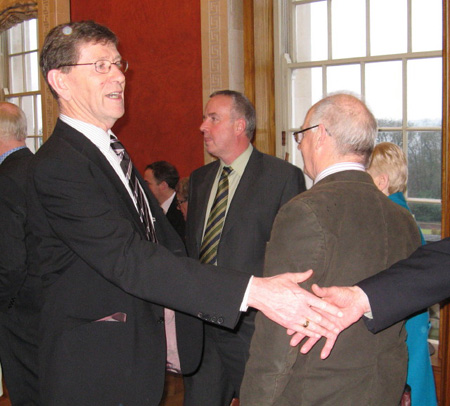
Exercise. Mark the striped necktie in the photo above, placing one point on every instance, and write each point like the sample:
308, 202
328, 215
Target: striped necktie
129, 171
214, 226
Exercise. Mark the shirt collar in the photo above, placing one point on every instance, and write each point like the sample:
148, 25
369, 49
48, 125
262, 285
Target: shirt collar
339, 167
8, 153
166, 204
98, 136
240, 162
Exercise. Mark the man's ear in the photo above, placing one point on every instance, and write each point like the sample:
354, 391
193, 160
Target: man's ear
240, 125
57, 80
320, 136
163, 185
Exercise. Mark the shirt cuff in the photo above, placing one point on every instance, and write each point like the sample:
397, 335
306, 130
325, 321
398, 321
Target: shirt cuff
244, 304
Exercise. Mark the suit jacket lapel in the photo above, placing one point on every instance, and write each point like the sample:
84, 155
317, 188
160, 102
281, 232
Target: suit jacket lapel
243, 191
91, 152
203, 192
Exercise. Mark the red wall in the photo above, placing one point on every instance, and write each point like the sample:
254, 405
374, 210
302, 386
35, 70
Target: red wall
161, 41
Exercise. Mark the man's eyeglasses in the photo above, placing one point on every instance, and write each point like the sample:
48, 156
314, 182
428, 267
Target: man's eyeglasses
298, 135
103, 66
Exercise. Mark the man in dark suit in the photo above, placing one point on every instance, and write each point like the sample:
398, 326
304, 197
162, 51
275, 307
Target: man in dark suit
19, 292
345, 229
259, 185
108, 258
162, 178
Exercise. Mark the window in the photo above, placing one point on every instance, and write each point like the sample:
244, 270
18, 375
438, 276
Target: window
20, 76
387, 51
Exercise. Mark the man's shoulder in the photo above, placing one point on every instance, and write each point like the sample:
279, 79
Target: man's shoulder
205, 169
274, 163
15, 166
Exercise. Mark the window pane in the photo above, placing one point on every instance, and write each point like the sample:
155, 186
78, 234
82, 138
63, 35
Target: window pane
344, 77
16, 74
426, 34
310, 35
428, 216
395, 137
32, 72
15, 39
28, 109
384, 92
348, 28
424, 164
388, 27
424, 102
39, 115
306, 90
30, 35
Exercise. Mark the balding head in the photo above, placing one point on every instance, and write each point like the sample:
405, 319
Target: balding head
350, 123
13, 123
13, 127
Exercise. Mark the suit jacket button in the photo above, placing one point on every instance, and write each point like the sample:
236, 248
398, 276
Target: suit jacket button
200, 315
220, 320
214, 319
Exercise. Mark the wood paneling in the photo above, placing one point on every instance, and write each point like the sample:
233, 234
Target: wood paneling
443, 381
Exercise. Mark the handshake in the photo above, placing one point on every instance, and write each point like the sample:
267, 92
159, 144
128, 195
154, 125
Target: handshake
326, 313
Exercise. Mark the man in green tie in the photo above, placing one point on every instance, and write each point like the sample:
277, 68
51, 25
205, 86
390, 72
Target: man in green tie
232, 204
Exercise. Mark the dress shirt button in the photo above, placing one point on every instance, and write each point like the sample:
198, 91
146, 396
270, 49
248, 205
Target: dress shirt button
160, 320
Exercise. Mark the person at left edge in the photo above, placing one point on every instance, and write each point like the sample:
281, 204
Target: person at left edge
20, 292
107, 274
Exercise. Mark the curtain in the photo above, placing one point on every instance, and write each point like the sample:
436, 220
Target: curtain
13, 12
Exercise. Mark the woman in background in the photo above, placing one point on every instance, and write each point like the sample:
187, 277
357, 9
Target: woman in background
389, 170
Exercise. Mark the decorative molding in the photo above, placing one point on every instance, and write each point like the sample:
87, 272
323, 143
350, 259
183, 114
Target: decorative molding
214, 26
50, 14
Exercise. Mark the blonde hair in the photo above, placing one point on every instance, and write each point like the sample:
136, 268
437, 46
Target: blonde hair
389, 158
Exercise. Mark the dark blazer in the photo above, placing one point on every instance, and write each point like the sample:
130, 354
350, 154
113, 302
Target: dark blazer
176, 218
409, 286
20, 293
343, 228
266, 184
96, 265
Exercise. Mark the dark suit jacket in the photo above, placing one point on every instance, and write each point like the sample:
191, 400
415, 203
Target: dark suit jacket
344, 229
176, 218
266, 184
20, 293
409, 286
95, 262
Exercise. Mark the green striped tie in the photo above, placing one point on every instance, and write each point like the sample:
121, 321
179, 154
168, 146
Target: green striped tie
208, 251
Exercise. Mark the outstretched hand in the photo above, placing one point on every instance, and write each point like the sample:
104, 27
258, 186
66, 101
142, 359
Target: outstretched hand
353, 303
282, 300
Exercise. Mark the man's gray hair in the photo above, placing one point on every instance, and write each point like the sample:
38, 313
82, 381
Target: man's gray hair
242, 108
349, 121
13, 122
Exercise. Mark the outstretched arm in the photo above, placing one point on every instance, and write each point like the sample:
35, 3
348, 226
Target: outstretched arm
353, 303
282, 300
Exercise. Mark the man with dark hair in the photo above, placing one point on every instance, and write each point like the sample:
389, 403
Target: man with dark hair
162, 178
19, 287
258, 185
109, 259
